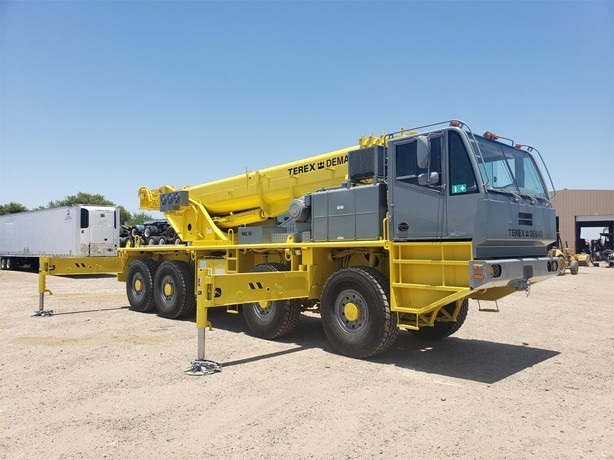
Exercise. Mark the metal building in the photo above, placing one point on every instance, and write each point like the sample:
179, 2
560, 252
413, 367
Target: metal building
584, 214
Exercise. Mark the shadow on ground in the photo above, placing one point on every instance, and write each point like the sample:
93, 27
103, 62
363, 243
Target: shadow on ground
477, 360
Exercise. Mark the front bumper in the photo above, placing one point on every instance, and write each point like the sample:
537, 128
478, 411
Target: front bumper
516, 273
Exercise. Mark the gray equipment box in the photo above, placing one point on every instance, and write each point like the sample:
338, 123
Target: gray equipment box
368, 163
354, 213
261, 234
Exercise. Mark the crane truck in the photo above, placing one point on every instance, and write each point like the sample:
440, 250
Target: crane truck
394, 233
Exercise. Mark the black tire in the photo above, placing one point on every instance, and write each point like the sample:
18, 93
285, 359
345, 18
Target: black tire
441, 329
9, 264
140, 285
574, 267
562, 266
170, 233
174, 289
278, 318
356, 314
153, 241
2, 263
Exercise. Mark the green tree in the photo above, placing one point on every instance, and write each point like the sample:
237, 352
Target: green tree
81, 198
138, 218
12, 208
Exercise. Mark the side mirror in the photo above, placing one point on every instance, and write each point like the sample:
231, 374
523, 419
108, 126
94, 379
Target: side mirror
428, 179
423, 152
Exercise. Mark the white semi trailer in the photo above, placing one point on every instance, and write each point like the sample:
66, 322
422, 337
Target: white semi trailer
68, 231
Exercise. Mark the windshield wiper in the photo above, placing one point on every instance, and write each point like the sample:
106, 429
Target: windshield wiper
530, 197
504, 191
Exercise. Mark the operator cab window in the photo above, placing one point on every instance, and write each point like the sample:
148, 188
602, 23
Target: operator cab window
462, 177
407, 169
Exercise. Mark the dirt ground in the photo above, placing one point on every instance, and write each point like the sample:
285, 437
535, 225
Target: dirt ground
96, 380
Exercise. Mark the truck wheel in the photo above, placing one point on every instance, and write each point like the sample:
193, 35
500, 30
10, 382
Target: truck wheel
274, 319
174, 289
441, 329
9, 263
140, 285
2, 263
574, 267
356, 314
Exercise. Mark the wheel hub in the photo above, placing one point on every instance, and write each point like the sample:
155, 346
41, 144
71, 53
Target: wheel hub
351, 311
168, 289
138, 285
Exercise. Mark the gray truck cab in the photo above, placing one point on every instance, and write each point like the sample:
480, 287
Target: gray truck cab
449, 184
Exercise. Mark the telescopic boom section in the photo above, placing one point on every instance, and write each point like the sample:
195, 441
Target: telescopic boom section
201, 212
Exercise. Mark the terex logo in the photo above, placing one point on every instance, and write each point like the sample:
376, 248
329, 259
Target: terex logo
518, 233
308, 167
301, 169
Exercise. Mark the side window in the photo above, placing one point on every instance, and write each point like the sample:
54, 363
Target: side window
462, 177
406, 161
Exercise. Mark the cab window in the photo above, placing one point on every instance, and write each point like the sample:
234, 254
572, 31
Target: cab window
462, 177
407, 169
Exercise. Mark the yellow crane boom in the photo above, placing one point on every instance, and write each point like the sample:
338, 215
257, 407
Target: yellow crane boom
199, 212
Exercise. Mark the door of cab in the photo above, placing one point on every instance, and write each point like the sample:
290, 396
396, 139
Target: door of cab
417, 199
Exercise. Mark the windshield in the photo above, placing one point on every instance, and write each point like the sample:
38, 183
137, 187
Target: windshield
508, 169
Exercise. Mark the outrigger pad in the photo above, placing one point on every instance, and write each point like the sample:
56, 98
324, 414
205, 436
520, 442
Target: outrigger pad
43, 313
203, 367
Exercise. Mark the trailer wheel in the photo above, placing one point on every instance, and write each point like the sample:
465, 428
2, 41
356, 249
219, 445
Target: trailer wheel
9, 264
574, 266
442, 329
174, 289
2, 263
140, 285
276, 318
356, 314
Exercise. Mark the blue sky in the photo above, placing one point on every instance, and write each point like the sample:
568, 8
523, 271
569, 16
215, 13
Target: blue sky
103, 97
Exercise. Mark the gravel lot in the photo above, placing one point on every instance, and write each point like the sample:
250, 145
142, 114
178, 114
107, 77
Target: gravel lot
96, 380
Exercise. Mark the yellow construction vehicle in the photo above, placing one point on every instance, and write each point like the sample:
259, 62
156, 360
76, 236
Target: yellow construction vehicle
568, 259
396, 232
